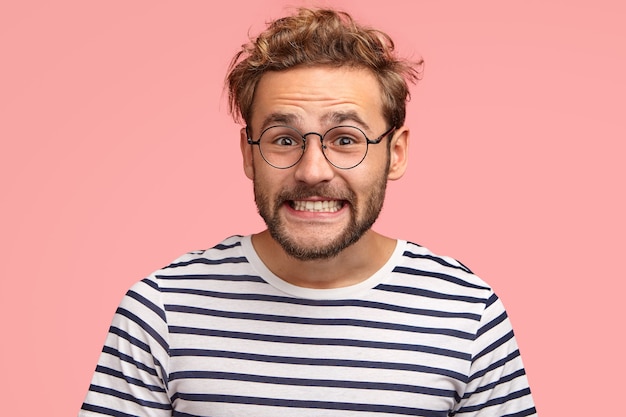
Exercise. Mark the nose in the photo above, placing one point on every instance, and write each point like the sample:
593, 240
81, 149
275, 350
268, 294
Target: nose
313, 168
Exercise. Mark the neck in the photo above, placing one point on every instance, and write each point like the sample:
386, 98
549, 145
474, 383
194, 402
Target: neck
353, 265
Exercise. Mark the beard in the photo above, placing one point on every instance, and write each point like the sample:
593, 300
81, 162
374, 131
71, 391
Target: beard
371, 207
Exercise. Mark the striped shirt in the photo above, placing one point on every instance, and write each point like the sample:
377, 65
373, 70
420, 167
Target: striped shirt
216, 334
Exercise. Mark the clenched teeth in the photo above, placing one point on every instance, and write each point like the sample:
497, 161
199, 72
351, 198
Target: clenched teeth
326, 206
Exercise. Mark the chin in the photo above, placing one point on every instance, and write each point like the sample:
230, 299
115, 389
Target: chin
320, 248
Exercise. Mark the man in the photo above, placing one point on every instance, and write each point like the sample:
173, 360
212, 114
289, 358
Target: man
318, 315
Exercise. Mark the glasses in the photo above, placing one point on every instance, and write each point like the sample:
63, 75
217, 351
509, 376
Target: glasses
344, 147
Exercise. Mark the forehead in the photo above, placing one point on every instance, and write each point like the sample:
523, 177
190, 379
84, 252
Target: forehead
315, 97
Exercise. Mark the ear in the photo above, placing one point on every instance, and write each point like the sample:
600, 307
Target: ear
399, 153
246, 153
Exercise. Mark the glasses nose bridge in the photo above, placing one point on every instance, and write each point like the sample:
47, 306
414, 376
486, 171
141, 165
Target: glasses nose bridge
322, 147
319, 135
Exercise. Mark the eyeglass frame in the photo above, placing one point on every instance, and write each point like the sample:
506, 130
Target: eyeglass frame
321, 136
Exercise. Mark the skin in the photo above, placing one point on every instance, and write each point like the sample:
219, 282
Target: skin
312, 99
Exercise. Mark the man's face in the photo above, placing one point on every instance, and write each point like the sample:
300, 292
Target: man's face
313, 209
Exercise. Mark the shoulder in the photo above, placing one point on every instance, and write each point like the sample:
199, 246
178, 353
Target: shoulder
442, 276
228, 251
223, 258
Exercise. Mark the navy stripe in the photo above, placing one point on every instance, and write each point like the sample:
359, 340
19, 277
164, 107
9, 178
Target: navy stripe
525, 413
495, 365
177, 413
505, 379
318, 321
132, 381
206, 261
213, 277
437, 259
151, 283
316, 405
320, 341
143, 300
493, 323
491, 300
128, 359
145, 326
429, 294
105, 411
130, 339
495, 345
223, 246
348, 363
128, 397
438, 275
326, 303
496, 401
135, 342
329, 383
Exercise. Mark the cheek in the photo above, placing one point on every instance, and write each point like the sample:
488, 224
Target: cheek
370, 185
371, 172
266, 181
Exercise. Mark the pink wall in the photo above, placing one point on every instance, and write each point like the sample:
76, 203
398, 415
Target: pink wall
117, 155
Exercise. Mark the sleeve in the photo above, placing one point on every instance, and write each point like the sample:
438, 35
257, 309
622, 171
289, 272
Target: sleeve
497, 385
131, 375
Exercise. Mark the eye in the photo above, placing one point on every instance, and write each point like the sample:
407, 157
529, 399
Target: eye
284, 141
344, 141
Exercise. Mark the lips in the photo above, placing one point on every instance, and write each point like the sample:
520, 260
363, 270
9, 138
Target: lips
317, 206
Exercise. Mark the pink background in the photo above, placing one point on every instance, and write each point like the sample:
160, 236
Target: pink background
118, 155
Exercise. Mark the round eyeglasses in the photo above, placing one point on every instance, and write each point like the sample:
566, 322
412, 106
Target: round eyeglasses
344, 147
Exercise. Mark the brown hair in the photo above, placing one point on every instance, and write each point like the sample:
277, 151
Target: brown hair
321, 37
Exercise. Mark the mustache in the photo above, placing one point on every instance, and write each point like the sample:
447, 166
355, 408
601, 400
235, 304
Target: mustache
302, 192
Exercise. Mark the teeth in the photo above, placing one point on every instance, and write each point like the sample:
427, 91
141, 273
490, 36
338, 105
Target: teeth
318, 206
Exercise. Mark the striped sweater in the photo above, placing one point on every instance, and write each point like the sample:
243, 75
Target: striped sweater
216, 334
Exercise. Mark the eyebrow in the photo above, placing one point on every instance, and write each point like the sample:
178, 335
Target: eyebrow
340, 117
280, 118
331, 118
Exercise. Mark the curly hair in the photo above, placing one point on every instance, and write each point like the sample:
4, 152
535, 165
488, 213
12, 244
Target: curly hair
313, 37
